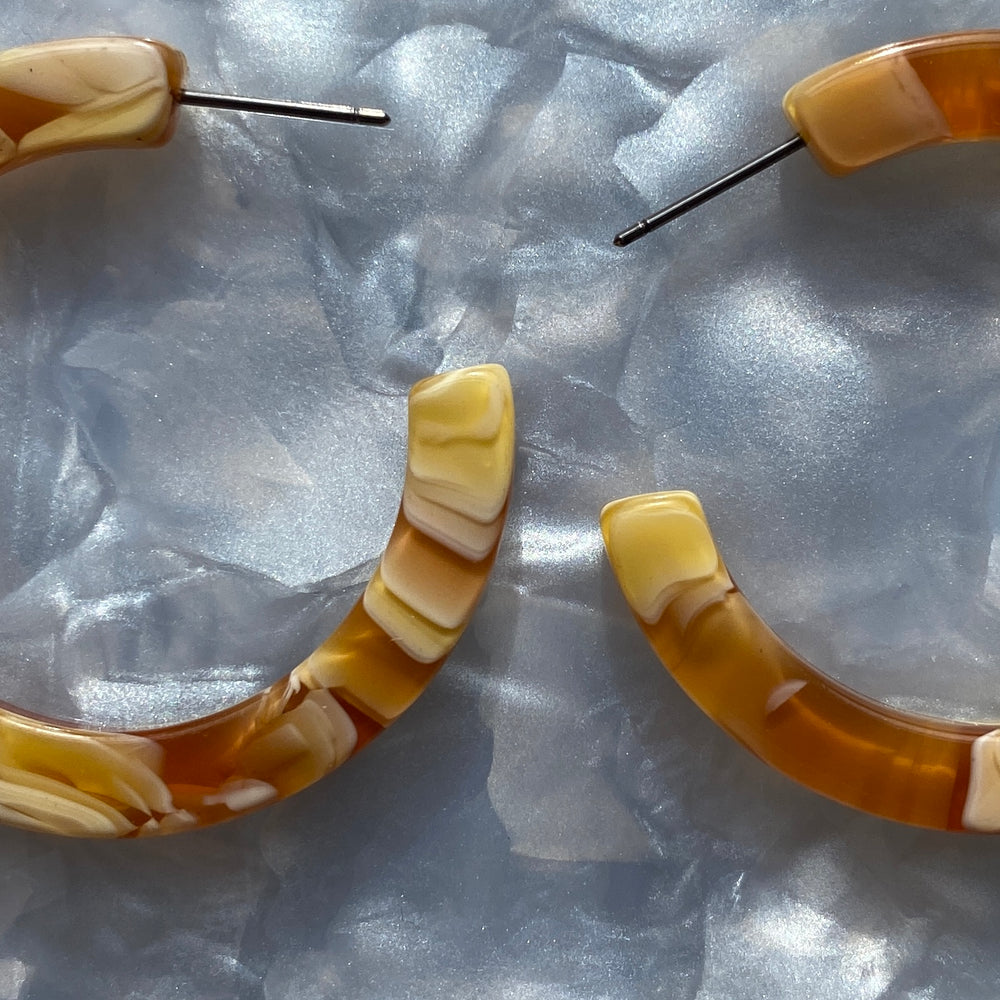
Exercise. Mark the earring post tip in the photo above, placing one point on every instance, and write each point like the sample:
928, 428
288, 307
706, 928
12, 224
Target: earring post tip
630, 235
373, 116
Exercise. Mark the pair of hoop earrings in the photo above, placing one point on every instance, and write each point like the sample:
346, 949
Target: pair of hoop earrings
90, 93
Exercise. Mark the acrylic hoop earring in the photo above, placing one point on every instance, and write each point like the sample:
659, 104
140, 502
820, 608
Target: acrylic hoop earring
877, 104
926, 771
460, 454
115, 93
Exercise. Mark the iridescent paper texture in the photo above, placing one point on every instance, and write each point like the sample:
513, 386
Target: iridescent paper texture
207, 349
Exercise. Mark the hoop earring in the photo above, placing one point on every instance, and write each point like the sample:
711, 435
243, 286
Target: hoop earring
925, 771
929, 772
874, 105
460, 453
100, 93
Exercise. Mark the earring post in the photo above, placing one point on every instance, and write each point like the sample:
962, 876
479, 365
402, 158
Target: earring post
343, 113
709, 191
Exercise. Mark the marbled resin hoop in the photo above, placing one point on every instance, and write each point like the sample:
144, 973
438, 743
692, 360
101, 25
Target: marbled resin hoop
904, 96
61, 779
926, 771
115, 93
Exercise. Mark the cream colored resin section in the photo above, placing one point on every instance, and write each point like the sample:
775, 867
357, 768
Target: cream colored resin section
918, 93
925, 771
461, 460
982, 804
59, 779
455, 489
661, 547
86, 93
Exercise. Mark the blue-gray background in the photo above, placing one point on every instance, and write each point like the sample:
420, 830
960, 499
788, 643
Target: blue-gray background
205, 355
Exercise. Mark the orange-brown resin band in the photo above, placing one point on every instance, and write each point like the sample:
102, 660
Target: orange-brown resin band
924, 92
61, 779
926, 771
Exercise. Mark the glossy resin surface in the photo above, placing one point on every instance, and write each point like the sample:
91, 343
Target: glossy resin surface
945, 88
926, 771
86, 93
66, 780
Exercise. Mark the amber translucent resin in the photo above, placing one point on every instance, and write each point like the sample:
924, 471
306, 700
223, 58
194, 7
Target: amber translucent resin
86, 93
900, 97
65, 780
926, 771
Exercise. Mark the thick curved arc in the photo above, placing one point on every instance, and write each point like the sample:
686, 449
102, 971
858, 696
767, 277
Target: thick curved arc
67, 780
920, 770
86, 93
945, 88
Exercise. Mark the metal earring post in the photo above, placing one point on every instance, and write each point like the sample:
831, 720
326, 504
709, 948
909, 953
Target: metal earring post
699, 197
288, 109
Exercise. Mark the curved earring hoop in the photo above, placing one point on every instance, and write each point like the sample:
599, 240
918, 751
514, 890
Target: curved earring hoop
926, 771
460, 455
904, 96
115, 93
